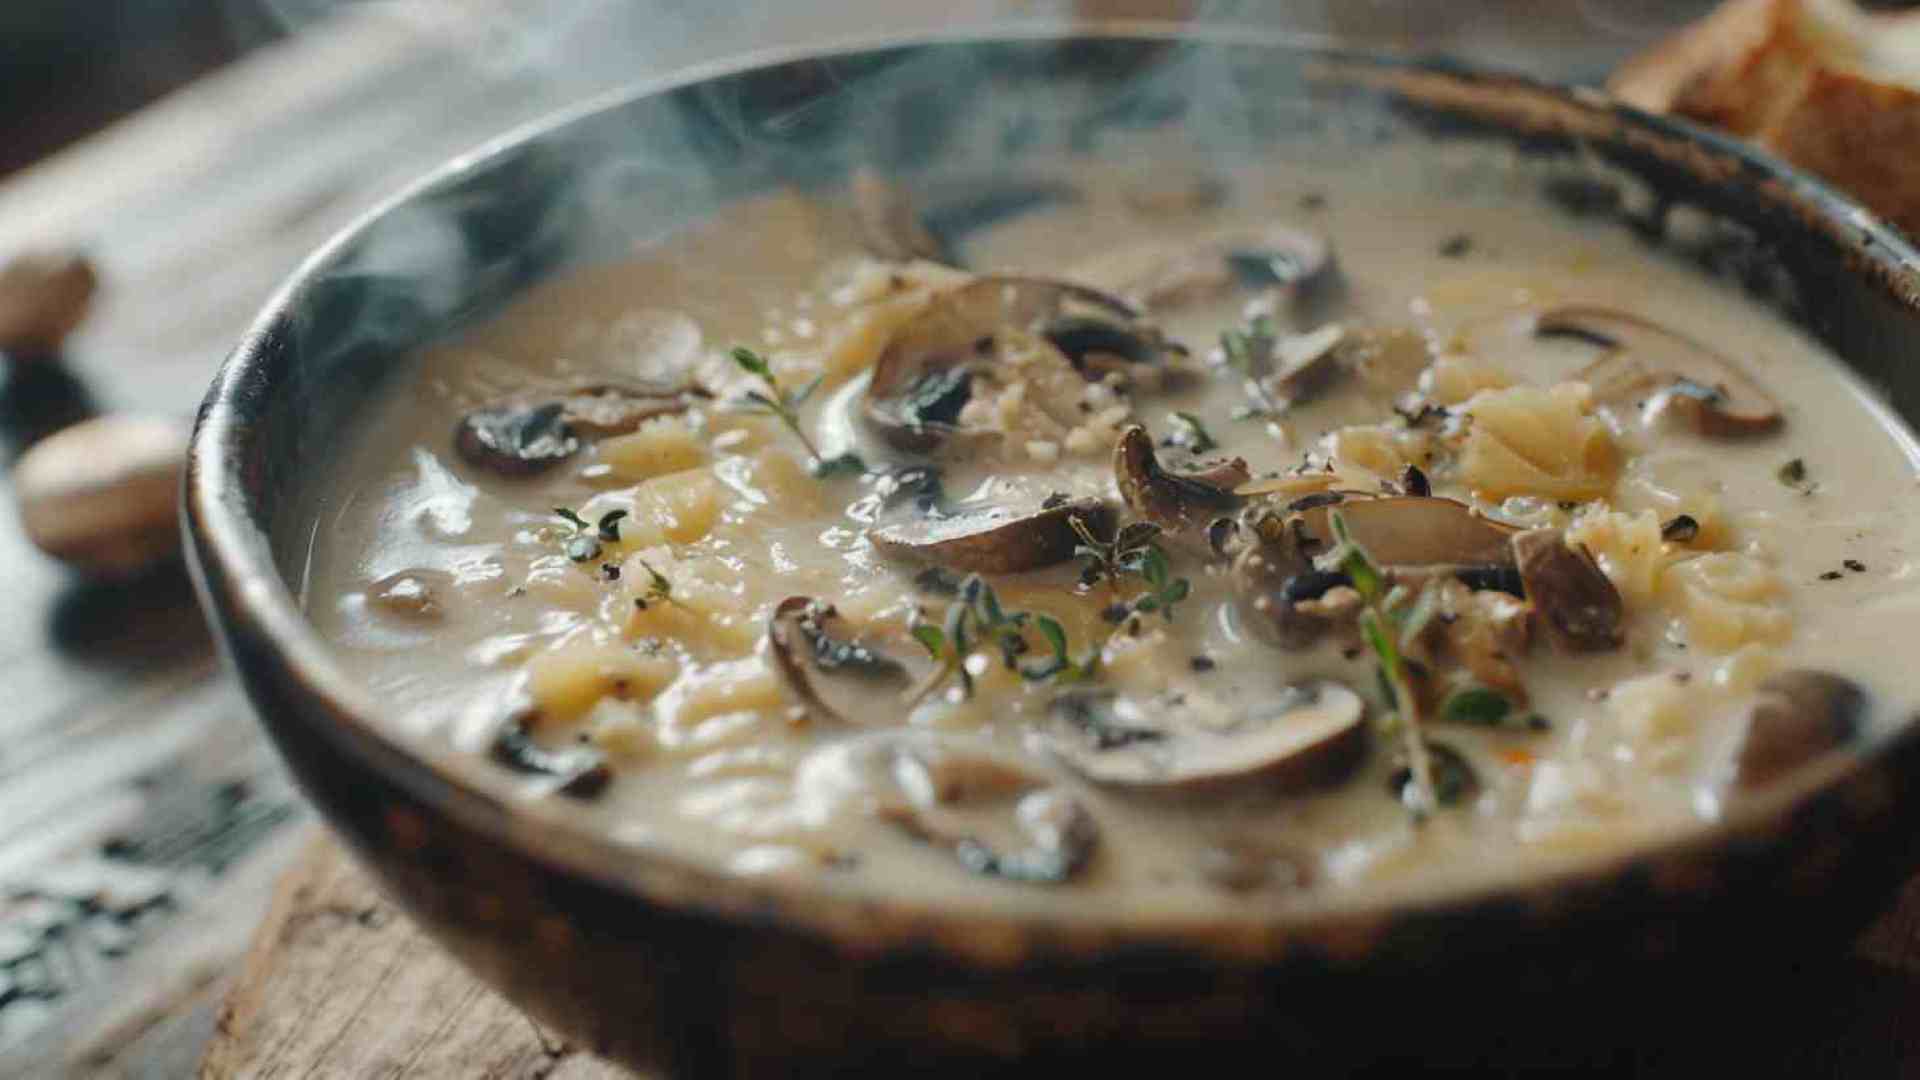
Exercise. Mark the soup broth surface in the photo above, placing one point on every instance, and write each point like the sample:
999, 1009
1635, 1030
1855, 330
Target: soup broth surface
724, 651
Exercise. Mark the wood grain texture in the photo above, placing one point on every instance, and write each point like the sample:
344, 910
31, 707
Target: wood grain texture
339, 984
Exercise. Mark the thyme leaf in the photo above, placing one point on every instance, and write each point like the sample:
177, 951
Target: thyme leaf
776, 401
1476, 705
977, 615
1383, 631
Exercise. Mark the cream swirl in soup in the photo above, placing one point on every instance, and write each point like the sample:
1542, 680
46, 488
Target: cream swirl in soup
1177, 556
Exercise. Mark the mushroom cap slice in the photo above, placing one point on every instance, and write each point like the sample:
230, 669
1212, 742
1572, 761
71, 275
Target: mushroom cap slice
994, 539
1304, 364
1264, 575
833, 677
1798, 716
1579, 606
578, 771
515, 440
523, 438
924, 376
1171, 500
1715, 396
598, 410
1300, 736
1296, 262
1408, 531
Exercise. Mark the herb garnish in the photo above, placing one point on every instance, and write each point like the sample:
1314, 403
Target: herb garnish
784, 405
1386, 620
584, 544
659, 589
976, 614
1476, 705
1249, 352
1133, 550
1794, 475
1190, 433
1488, 708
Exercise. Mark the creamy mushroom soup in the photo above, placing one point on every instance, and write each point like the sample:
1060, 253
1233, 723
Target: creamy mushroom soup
1189, 550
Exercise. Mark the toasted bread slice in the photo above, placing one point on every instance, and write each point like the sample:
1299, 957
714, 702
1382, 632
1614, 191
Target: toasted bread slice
1824, 85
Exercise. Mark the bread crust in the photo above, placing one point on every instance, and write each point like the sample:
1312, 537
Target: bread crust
1794, 77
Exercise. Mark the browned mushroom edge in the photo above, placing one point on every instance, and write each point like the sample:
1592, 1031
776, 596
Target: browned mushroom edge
803, 644
1298, 265
1306, 364
1301, 736
1797, 716
582, 771
1645, 358
1573, 598
1171, 500
993, 539
1412, 538
924, 376
520, 438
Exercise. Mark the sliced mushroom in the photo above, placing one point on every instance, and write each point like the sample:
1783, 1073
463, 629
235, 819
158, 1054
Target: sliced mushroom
1298, 737
993, 538
599, 410
1411, 538
1304, 365
515, 438
1297, 266
1576, 602
1407, 532
1271, 575
835, 678
926, 374
1644, 358
995, 816
581, 770
1798, 716
1172, 500
1485, 631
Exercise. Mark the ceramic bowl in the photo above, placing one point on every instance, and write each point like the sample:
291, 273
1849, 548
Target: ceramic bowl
667, 964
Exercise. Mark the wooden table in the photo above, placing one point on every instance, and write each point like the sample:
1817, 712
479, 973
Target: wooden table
143, 823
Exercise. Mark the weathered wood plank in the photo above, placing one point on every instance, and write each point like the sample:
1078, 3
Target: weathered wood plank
339, 984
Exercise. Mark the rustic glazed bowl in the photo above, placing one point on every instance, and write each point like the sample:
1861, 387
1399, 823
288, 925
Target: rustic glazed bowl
664, 963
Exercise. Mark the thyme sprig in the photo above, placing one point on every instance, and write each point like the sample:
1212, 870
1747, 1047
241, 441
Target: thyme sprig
977, 616
659, 589
1387, 621
1249, 352
784, 405
1135, 549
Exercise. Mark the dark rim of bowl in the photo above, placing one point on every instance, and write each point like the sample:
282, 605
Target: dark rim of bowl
244, 592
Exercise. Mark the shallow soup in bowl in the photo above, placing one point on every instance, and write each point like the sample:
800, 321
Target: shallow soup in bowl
1172, 542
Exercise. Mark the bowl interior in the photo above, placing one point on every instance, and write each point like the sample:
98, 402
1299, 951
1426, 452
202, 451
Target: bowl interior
959, 123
